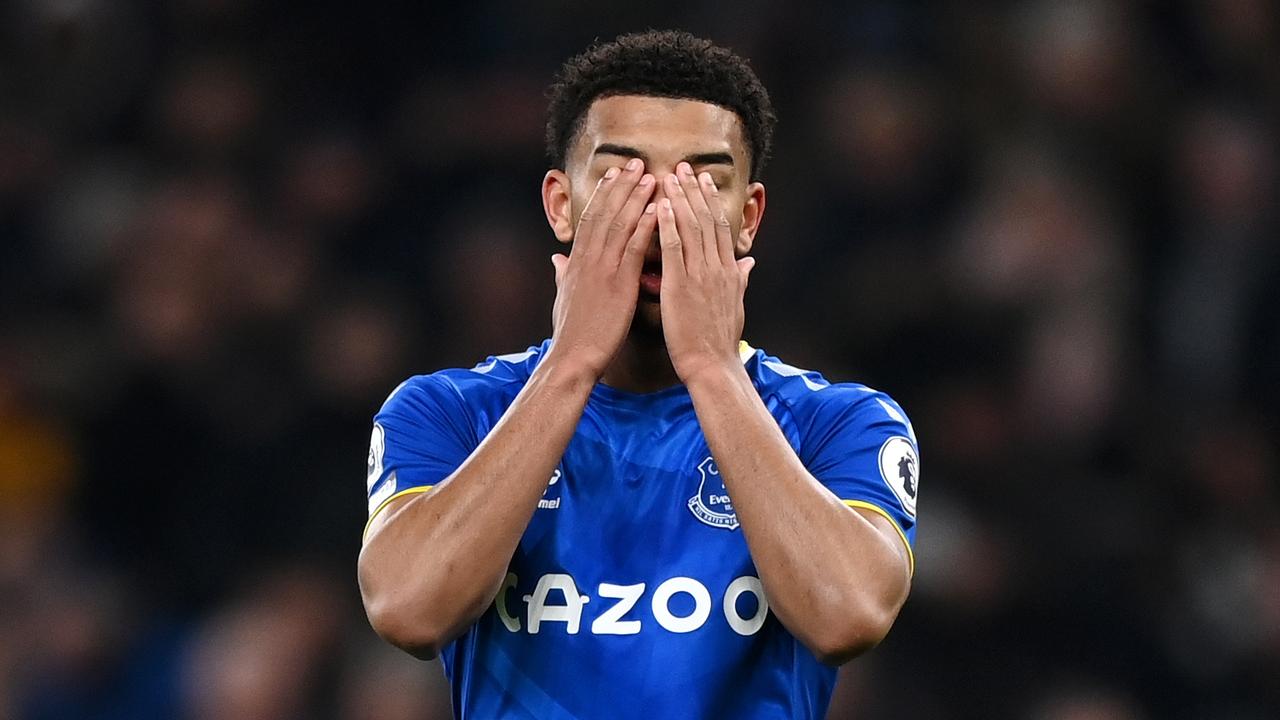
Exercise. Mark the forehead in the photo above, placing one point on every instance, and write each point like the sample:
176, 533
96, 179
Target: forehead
661, 126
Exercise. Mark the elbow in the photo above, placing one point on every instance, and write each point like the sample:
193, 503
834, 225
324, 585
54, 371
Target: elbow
853, 618
841, 638
404, 628
396, 613
420, 615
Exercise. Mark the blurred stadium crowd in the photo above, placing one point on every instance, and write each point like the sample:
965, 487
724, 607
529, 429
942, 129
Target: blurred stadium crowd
228, 229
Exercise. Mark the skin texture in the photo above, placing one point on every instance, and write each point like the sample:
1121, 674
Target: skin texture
661, 132
666, 182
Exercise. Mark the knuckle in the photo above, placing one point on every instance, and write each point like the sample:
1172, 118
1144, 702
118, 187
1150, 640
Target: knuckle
617, 225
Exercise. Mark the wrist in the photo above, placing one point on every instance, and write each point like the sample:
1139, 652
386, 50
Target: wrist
566, 371
716, 376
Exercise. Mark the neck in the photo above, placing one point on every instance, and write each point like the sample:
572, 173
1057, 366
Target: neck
642, 364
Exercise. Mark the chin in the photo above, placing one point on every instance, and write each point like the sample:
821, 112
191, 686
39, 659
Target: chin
648, 319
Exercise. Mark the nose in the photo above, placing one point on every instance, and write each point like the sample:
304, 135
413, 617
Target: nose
660, 173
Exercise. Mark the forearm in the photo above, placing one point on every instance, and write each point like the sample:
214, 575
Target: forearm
431, 566
432, 562
832, 576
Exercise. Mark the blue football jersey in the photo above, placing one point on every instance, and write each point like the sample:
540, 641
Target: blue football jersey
632, 594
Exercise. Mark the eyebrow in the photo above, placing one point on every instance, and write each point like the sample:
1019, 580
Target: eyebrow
694, 159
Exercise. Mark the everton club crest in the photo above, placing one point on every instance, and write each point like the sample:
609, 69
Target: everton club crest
711, 504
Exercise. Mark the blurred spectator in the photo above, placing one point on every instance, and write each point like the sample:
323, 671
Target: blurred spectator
383, 683
263, 656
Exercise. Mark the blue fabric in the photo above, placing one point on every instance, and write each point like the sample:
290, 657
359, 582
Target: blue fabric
635, 519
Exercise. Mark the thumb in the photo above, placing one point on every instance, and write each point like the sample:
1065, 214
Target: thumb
744, 266
560, 262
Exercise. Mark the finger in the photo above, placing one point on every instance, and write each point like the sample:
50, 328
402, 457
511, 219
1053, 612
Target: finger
692, 185
669, 240
634, 252
591, 216
723, 234
560, 263
617, 192
745, 266
686, 223
623, 225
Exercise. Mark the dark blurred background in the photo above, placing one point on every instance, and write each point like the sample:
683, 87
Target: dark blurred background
228, 228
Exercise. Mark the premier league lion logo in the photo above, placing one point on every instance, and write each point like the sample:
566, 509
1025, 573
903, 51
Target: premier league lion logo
900, 469
712, 504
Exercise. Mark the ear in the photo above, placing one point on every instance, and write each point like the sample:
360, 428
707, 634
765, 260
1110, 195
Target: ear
752, 214
557, 202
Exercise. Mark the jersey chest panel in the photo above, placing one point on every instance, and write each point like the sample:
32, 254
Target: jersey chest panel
632, 569
617, 512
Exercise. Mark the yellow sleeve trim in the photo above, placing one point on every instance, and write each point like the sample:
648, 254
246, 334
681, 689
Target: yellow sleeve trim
385, 503
745, 351
911, 556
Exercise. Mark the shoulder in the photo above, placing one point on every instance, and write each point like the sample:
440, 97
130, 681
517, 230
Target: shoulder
815, 402
494, 377
497, 370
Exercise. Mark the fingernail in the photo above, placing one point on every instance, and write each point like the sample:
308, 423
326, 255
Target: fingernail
633, 164
647, 180
611, 173
650, 209
666, 204
685, 168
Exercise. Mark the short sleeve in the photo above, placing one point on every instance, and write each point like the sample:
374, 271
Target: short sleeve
861, 446
420, 436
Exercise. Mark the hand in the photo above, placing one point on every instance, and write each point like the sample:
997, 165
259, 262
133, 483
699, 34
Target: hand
598, 284
702, 283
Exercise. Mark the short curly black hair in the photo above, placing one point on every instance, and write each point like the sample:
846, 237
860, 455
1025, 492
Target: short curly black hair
659, 63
